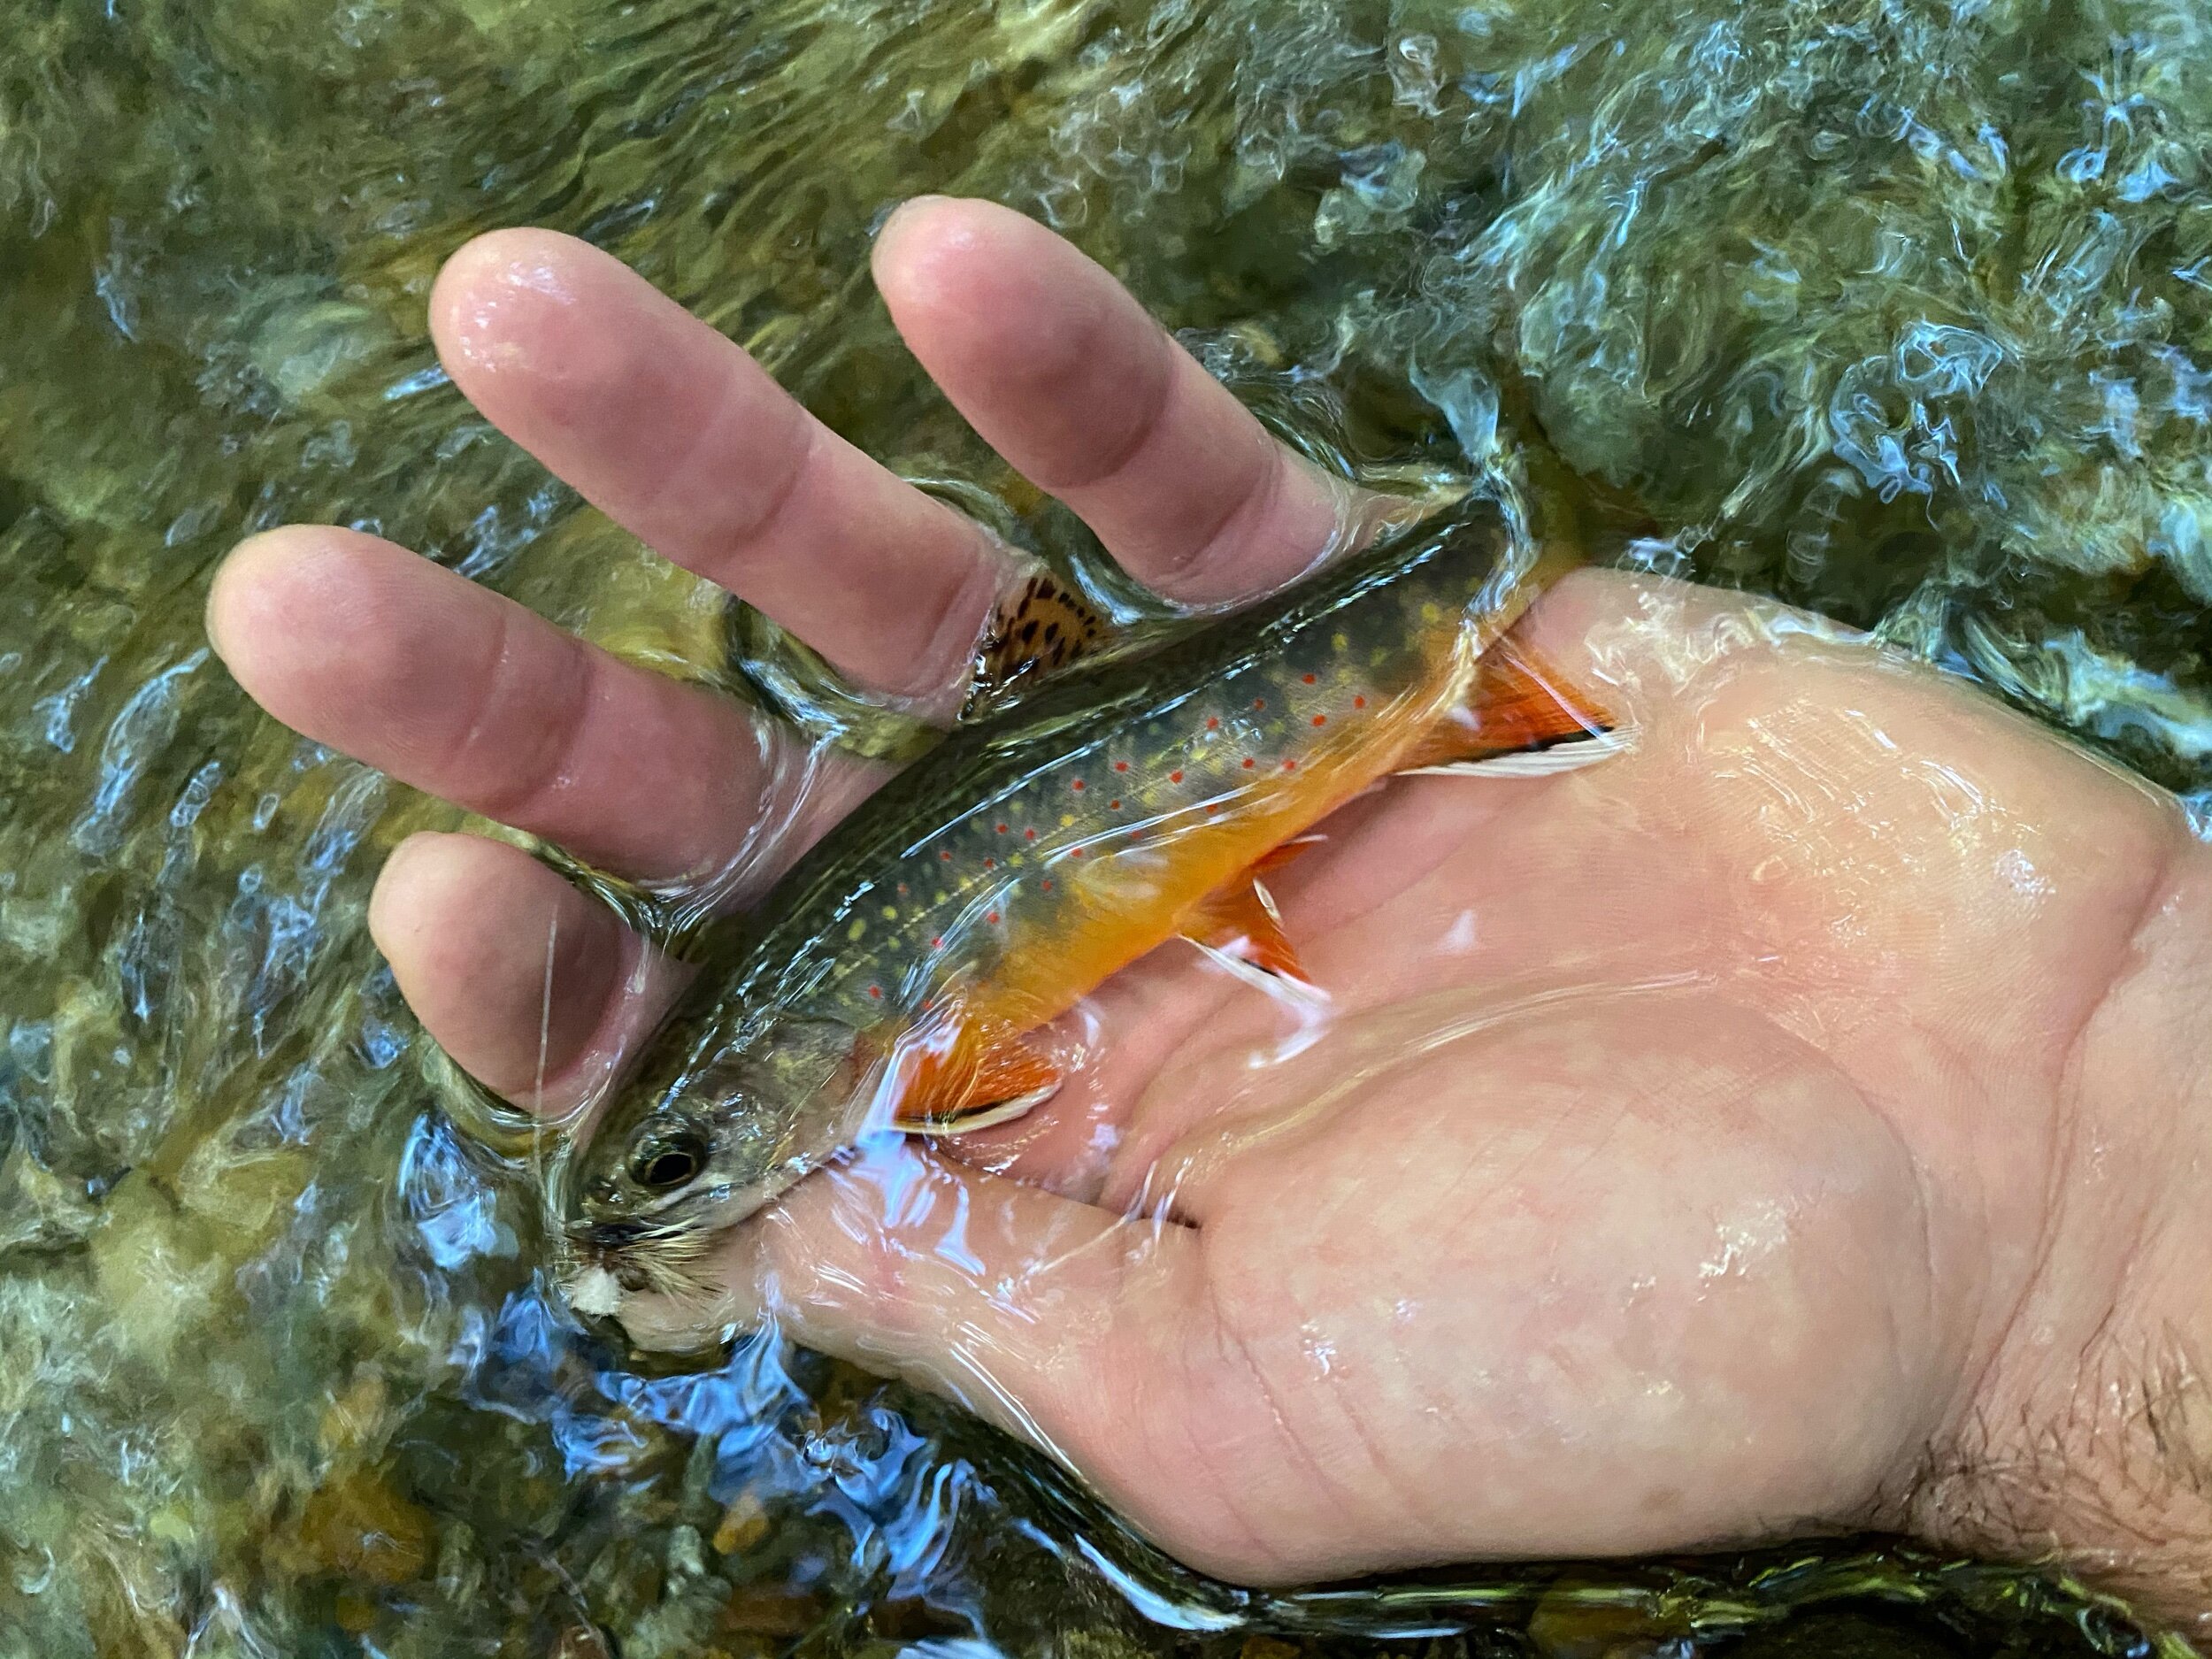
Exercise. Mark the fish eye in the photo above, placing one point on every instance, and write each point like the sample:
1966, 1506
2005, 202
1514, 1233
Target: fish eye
666, 1163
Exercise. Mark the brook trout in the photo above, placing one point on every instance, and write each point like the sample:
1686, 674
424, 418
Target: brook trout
899, 974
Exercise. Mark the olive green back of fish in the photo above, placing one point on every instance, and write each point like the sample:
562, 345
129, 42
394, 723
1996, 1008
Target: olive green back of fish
802, 940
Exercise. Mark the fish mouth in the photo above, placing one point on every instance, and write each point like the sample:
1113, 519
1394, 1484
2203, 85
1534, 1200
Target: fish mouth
667, 1253
607, 1238
611, 1262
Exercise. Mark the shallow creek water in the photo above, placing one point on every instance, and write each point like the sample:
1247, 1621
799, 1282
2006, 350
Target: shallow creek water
1900, 311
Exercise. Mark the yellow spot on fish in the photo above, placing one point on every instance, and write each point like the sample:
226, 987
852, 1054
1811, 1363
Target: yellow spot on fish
1431, 613
1067, 820
1338, 642
858, 927
890, 912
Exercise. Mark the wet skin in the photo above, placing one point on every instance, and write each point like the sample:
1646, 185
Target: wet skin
1800, 1121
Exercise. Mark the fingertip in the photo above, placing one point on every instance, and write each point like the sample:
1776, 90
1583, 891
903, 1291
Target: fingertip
453, 904
407, 889
926, 241
910, 212
299, 611
251, 583
512, 970
227, 612
976, 287
498, 298
280, 594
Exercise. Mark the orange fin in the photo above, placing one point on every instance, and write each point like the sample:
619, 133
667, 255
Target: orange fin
1240, 920
1038, 631
1521, 721
1296, 848
966, 1074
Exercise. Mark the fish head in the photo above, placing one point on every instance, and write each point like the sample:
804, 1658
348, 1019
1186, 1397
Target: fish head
698, 1143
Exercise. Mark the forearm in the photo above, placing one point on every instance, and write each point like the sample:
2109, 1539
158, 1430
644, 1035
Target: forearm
2087, 1439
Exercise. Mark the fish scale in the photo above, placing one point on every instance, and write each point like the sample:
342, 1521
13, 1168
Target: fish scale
1109, 801
1348, 648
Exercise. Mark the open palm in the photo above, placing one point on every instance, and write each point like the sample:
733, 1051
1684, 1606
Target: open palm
1678, 1157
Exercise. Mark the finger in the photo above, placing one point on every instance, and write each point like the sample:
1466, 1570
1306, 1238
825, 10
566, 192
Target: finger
531, 988
680, 437
462, 693
1064, 374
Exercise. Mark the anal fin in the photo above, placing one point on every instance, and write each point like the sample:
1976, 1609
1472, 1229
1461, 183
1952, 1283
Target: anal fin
1240, 920
1521, 721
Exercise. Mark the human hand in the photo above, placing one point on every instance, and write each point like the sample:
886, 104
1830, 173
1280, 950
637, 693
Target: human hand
1796, 1122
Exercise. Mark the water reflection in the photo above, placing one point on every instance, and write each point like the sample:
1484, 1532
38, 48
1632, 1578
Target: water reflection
1902, 312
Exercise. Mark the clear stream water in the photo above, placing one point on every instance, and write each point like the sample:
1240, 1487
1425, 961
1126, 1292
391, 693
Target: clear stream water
1902, 312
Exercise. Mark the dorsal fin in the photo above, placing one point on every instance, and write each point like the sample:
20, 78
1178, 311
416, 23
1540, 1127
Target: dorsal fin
1039, 629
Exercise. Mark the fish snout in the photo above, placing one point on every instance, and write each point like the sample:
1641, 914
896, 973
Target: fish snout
609, 1237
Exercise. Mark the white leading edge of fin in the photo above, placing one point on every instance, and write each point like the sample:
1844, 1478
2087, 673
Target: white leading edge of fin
1004, 1112
1299, 993
1538, 763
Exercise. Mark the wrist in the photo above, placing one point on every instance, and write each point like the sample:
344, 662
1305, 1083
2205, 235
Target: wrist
2085, 1441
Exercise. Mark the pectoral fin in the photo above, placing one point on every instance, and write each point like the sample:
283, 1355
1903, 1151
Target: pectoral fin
963, 1074
1521, 722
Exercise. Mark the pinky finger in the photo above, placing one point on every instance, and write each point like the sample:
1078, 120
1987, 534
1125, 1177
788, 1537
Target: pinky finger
530, 986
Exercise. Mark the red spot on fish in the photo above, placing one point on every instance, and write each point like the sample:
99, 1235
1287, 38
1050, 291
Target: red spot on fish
1048, 884
1249, 763
1290, 766
945, 853
1259, 702
1359, 703
1211, 808
1002, 829
1175, 777
1113, 806
902, 889
875, 990
1029, 835
1212, 722
990, 864
1121, 765
1078, 783
1310, 679
937, 944
992, 918
1076, 853
1321, 719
